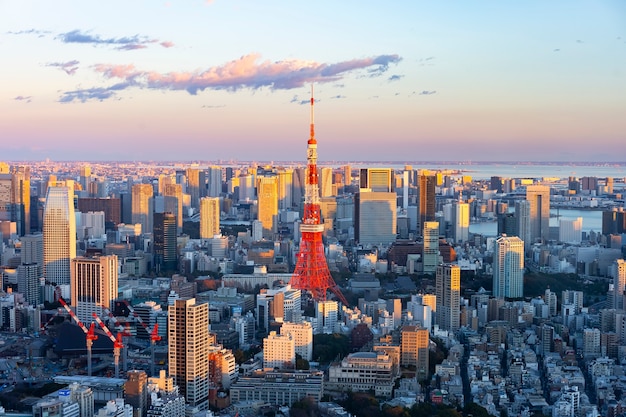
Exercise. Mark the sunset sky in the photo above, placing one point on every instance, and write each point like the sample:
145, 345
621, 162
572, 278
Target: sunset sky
230, 80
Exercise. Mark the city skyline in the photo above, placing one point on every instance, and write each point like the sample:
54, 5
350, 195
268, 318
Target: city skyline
223, 80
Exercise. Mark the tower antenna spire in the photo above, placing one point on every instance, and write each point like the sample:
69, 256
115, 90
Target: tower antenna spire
312, 133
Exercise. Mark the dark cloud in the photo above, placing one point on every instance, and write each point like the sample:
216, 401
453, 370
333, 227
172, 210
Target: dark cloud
89, 94
247, 72
338, 96
27, 99
207, 106
556, 50
126, 43
579, 41
69, 67
427, 92
395, 77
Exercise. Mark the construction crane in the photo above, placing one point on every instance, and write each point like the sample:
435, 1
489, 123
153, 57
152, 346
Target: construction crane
117, 344
44, 327
90, 334
125, 330
154, 335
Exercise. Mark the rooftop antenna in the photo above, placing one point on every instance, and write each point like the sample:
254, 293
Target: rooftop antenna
312, 133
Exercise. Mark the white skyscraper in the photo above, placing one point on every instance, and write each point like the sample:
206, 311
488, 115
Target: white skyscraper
539, 198
571, 231
522, 216
431, 247
279, 351
215, 181
302, 335
461, 219
59, 234
508, 267
209, 217
326, 314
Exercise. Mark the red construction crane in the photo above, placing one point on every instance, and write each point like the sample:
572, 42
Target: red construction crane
44, 327
117, 343
125, 330
90, 334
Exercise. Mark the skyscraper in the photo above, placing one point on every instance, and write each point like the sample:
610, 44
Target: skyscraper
522, 222
21, 198
209, 217
426, 200
448, 285
461, 219
94, 285
59, 234
285, 188
193, 186
539, 198
430, 260
376, 179
142, 206
414, 341
619, 283
267, 194
188, 353
375, 217
326, 182
165, 242
508, 267
176, 191
214, 181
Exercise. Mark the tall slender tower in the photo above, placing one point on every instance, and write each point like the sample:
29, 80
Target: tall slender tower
311, 273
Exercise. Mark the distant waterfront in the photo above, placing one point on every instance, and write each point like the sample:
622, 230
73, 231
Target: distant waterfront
592, 220
516, 170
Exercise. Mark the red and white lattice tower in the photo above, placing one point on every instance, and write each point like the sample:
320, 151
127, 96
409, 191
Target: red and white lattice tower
311, 273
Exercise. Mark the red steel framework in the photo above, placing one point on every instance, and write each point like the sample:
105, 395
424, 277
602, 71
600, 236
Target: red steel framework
311, 273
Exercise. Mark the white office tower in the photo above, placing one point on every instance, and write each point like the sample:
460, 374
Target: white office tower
93, 285
326, 182
461, 221
188, 354
376, 217
247, 188
571, 231
209, 217
421, 312
59, 234
326, 314
257, 230
508, 267
214, 181
302, 335
285, 189
430, 259
618, 271
448, 284
90, 225
279, 351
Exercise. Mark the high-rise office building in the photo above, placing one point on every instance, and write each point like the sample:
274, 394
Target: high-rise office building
188, 350
165, 242
142, 206
522, 222
426, 200
414, 341
21, 198
285, 189
508, 267
375, 217
214, 181
59, 234
448, 284
209, 217
29, 284
93, 285
619, 283
326, 182
347, 175
193, 186
539, 198
176, 191
267, 194
430, 259
571, 231
376, 179
461, 219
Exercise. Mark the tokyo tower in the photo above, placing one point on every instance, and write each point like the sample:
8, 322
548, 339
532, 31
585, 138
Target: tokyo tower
311, 273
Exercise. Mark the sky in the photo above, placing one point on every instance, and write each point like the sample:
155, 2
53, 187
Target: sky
230, 80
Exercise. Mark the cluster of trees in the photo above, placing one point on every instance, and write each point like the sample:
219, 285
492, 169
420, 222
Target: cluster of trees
329, 347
